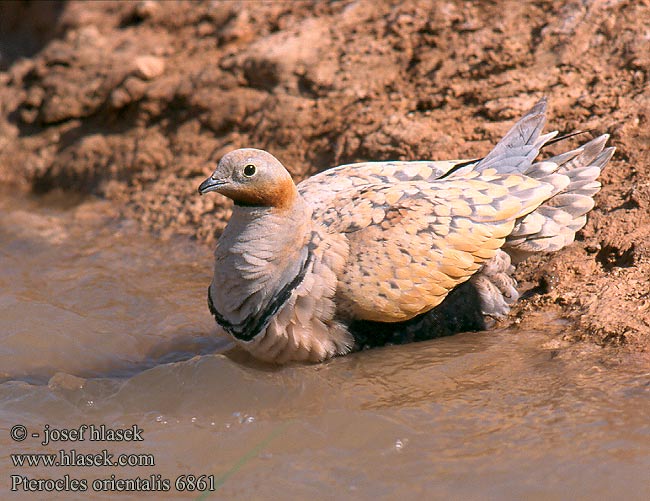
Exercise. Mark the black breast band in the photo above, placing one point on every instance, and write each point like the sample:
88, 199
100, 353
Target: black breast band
253, 325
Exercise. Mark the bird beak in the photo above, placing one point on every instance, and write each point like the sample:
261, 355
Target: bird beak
211, 184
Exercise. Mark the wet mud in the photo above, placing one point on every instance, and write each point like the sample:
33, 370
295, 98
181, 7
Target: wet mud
134, 102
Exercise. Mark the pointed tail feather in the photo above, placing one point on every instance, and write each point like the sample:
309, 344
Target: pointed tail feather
554, 224
519, 147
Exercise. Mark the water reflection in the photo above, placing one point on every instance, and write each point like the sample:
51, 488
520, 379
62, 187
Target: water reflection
84, 294
99, 324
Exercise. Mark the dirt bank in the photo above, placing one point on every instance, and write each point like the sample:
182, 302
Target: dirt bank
134, 102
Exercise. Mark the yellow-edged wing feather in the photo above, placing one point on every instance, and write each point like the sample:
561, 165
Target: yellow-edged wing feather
412, 242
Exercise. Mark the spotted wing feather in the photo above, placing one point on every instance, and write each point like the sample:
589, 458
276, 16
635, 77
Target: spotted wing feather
411, 243
323, 189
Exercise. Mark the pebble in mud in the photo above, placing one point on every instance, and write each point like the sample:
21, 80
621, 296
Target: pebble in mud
149, 67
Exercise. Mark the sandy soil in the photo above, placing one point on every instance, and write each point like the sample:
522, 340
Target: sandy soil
134, 102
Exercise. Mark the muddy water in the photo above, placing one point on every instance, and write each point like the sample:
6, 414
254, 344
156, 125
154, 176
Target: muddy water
100, 325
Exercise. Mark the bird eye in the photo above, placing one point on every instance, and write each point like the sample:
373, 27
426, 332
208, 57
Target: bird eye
249, 170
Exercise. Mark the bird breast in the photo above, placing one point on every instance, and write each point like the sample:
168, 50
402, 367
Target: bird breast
260, 252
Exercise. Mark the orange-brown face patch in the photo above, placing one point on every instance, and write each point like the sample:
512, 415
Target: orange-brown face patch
280, 194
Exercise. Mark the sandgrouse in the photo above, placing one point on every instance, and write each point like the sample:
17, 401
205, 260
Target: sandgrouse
298, 267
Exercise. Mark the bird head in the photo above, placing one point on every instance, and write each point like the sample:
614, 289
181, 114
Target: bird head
251, 177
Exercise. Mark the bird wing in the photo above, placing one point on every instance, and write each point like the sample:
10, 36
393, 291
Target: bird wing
322, 188
410, 243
